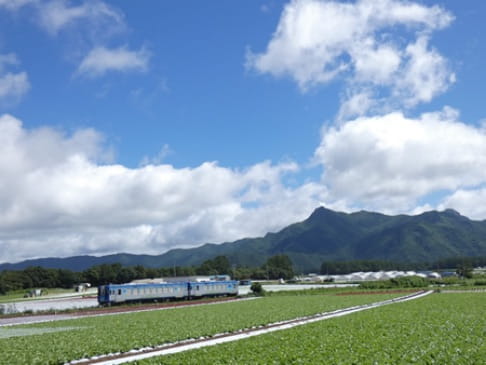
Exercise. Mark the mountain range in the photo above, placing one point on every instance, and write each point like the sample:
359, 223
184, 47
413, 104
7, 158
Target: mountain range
325, 235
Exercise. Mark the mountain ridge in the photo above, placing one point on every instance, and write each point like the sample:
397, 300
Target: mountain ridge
325, 235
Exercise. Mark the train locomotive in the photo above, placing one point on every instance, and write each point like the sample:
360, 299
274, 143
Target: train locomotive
138, 292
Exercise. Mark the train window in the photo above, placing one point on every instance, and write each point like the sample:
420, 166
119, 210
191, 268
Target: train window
197, 287
119, 291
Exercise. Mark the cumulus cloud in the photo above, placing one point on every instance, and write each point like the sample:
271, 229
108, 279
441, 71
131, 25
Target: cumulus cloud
13, 86
317, 41
425, 75
389, 162
59, 196
470, 202
102, 60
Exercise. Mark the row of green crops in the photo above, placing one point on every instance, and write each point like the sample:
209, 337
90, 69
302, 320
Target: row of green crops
437, 329
119, 333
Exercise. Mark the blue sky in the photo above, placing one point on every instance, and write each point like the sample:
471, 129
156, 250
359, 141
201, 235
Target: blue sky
142, 126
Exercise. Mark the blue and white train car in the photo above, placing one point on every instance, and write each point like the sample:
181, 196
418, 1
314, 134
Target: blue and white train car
212, 288
120, 293
132, 292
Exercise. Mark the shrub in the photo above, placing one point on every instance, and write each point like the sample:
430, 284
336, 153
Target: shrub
257, 289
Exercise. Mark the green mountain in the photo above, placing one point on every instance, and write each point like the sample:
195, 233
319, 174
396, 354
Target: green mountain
325, 236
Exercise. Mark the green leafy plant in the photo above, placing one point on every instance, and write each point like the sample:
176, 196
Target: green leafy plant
123, 332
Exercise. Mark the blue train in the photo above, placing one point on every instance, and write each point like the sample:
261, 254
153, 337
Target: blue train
138, 292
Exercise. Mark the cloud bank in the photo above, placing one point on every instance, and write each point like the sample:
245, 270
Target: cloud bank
59, 198
390, 162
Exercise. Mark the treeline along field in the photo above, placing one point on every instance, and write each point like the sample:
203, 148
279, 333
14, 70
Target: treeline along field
276, 267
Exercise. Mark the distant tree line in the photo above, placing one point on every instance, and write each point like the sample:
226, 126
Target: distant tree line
346, 267
403, 282
276, 267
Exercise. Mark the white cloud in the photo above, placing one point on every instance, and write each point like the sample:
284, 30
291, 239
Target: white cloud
101, 60
7, 59
57, 199
317, 41
425, 75
389, 162
13, 86
376, 64
358, 102
470, 202
14, 5
88, 26
158, 158
58, 14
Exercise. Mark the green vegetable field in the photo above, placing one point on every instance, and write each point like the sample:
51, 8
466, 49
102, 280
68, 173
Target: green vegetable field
437, 329
62, 341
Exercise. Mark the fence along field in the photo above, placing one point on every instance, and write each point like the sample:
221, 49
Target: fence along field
437, 329
121, 333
